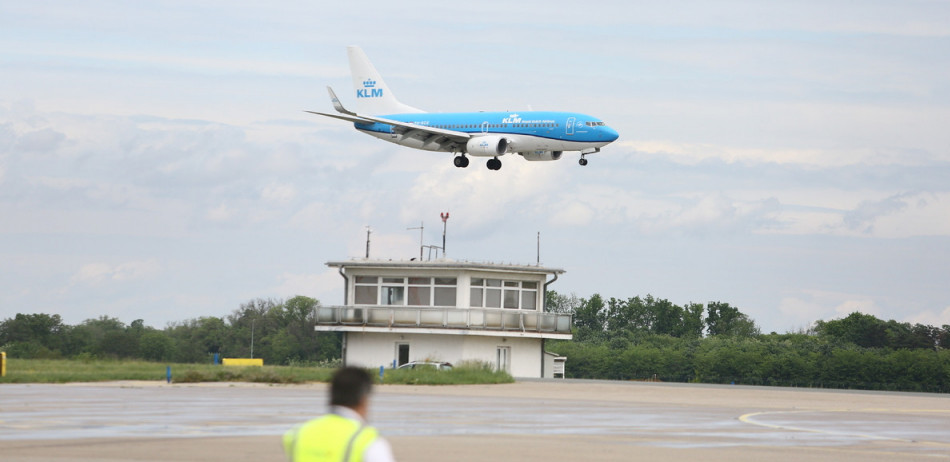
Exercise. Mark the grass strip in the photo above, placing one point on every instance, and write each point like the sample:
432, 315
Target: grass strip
103, 370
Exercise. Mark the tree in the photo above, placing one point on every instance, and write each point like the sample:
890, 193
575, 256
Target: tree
858, 328
692, 324
722, 319
591, 314
559, 303
32, 335
155, 346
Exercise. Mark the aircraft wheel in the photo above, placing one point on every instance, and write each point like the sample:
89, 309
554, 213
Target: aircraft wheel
493, 164
583, 161
464, 161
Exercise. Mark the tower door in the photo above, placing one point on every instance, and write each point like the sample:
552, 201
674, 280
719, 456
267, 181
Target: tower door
402, 354
503, 360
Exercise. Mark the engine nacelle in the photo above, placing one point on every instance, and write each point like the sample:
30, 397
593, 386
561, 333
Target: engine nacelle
541, 155
487, 146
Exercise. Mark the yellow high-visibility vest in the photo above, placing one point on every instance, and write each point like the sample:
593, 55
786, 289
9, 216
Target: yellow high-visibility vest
330, 438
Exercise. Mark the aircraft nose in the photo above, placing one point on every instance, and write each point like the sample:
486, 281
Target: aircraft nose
610, 134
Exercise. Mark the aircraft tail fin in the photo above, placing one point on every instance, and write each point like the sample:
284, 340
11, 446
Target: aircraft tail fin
372, 94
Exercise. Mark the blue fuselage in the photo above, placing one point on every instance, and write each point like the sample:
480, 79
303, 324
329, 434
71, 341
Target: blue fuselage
527, 131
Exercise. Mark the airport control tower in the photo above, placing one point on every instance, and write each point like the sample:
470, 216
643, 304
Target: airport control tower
400, 311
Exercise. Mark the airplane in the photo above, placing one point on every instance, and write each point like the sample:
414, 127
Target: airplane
534, 135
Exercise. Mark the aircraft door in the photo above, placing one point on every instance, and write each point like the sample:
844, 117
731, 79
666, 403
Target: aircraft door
569, 126
484, 127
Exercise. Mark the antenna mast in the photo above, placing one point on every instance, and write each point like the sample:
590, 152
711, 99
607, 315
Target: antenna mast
421, 229
445, 219
368, 232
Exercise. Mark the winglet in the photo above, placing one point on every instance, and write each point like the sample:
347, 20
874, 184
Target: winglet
337, 104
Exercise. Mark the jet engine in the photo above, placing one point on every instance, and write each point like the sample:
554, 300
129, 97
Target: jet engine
541, 155
487, 146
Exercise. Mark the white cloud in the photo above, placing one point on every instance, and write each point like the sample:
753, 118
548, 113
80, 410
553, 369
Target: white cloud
326, 286
809, 305
222, 213
279, 193
860, 305
695, 153
96, 274
572, 213
931, 318
798, 312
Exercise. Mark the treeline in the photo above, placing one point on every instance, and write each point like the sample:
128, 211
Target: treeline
654, 339
279, 331
624, 339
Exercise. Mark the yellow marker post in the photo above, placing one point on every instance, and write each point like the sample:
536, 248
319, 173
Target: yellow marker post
242, 361
3, 363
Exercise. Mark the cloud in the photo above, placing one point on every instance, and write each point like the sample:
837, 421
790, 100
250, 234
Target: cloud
799, 312
901, 215
98, 274
822, 157
222, 213
326, 286
279, 193
488, 198
572, 214
863, 216
40, 141
810, 305
931, 318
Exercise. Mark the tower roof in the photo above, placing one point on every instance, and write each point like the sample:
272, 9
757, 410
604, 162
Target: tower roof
443, 264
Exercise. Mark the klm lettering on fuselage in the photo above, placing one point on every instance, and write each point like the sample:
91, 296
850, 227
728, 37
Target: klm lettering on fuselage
513, 119
516, 119
369, 90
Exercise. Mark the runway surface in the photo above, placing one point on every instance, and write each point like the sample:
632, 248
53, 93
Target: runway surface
541, 420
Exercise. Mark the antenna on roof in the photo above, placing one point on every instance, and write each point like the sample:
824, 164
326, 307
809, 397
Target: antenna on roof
539, 249
421, 229
445, 218
368, 232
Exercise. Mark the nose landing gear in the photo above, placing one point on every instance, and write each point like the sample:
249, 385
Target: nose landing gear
583, 160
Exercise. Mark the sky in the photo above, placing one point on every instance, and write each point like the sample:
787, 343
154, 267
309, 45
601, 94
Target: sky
791, 158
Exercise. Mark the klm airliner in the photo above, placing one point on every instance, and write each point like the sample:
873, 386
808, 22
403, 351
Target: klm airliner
534, 135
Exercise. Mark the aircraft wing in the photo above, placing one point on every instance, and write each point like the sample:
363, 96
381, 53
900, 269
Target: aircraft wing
405, 129
354, 119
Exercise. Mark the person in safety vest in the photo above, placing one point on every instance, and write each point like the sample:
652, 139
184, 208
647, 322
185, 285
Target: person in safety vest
342, 435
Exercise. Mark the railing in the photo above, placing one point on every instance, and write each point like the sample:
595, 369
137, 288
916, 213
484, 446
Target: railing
449, 318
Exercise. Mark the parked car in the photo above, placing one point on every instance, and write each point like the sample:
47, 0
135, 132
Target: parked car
441, 366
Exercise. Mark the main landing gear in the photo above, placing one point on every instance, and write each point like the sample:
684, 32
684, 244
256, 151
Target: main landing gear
460, 161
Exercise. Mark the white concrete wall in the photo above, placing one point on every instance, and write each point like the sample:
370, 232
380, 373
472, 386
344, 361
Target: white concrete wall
525, 353
379, 349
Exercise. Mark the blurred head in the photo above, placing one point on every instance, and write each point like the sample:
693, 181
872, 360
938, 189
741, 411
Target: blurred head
350, 387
